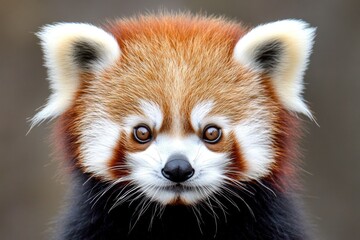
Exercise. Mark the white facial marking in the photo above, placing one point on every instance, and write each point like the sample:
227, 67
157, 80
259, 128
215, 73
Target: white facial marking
254, 137
152, 116
146, 169
97, 145
199, 112
153, 112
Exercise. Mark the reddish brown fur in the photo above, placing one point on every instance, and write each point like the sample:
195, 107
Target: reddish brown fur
284, 169
286, 133
238, 163
117, 164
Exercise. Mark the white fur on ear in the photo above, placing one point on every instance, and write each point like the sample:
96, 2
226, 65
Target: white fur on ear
280, 49
69, 49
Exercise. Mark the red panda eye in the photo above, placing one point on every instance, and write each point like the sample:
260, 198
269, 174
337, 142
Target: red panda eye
211, 134
142, 134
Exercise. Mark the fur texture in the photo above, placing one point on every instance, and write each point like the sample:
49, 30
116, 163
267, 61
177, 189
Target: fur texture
174, 76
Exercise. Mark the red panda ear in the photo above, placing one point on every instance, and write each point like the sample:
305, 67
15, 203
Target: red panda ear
70, 49
280, 49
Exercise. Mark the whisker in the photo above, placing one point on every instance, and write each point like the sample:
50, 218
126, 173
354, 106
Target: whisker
147, 202
99, 195
239, 197
198, 217
266, 187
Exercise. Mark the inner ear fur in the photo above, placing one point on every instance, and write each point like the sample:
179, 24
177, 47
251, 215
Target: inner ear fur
281, 50
85, 54
268, 56
69, 50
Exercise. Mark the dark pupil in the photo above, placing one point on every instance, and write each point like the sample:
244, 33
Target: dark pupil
142, 133
211, 133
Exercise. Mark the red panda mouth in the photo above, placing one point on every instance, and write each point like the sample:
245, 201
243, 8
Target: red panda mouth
178, 188
179, 191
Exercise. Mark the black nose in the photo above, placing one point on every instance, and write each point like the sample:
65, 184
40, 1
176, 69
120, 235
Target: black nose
178, 169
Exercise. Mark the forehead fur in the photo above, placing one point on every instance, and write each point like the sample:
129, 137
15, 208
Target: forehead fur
177, 62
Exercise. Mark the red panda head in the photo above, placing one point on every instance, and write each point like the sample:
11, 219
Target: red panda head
177, 106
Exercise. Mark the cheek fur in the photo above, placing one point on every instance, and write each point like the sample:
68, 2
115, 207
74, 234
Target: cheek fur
117, 164
255, 141
98, 141
238, 164
127, 145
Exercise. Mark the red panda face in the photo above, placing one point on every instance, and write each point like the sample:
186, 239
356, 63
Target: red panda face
178, 107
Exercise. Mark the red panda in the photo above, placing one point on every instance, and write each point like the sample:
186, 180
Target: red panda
178, 126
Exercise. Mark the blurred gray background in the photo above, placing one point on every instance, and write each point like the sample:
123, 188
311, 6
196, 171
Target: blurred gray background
30, 192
